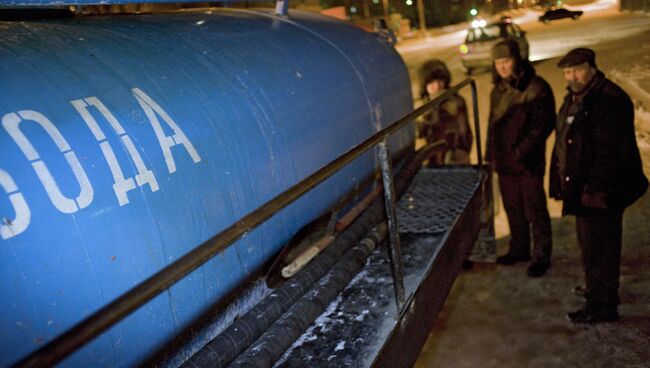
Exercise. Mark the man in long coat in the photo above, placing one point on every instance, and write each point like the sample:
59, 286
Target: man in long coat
522, 115
596, 171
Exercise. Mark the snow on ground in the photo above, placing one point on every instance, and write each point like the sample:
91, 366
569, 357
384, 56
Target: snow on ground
631, 70
595, 6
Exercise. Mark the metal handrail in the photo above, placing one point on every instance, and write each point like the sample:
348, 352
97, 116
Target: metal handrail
109, 315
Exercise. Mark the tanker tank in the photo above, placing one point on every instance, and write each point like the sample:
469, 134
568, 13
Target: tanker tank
126, 141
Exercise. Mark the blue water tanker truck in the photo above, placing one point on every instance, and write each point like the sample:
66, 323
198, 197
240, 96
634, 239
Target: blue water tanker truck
129, 141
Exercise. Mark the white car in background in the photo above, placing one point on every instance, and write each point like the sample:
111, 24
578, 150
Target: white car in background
475, 52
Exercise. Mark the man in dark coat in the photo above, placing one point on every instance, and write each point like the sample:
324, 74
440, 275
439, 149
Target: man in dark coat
522, 115
596, 171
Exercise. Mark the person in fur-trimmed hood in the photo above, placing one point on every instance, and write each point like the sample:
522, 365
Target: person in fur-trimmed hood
597, 172
522, 115
448, 121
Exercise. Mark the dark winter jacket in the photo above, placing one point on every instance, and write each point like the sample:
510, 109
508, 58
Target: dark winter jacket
449, 122
522, 115
601, 155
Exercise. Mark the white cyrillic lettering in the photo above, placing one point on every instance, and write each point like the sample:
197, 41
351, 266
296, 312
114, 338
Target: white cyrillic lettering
11, 123
121, 184
153, 110
11, 228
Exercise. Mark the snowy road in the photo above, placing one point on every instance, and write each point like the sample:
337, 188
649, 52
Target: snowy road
601, 23
593, 28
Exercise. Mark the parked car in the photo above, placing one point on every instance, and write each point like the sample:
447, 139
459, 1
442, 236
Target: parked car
560, 13
475, 52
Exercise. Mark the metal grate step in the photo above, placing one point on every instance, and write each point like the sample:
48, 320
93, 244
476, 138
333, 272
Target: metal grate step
435, 198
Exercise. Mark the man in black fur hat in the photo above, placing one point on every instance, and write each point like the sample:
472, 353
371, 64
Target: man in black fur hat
522, 115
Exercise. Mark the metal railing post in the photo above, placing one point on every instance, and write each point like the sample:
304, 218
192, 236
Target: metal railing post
394, 248
477, 125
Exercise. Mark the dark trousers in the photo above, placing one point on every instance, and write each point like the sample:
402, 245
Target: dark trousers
600, 239
525, 203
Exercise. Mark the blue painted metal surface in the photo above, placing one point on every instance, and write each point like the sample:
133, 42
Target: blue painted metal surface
128, 140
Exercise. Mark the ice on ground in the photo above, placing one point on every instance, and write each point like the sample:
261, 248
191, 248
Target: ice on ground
340, 346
